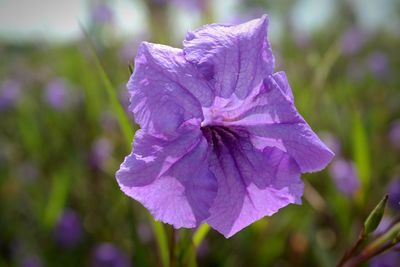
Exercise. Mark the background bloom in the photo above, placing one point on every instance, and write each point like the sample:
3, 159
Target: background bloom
389, 259
31, 261
10, 93
56, 94
221, 140
100, 152
394, 134
345, 176
394, 194
68, 231
378, 64
352, 40
107, 255
102, 13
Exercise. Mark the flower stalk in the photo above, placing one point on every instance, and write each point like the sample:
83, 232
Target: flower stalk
381, 244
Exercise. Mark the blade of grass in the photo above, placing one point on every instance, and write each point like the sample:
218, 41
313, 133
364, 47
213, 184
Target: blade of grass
123, 121
361, 154
162, 241
200, 234
57, 198
111, 92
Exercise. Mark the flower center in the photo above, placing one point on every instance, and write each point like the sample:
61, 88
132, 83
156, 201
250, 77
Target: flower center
218, 136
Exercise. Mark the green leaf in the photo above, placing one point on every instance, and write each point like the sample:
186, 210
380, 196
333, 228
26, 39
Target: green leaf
162, 241
57, 198
375, 217
123, 121
361, 153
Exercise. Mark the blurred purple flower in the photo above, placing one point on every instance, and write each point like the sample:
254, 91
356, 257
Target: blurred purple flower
383, 225
331, 141
108, 121
378, 64
124, 97
144, 232
27, 171
352, 40
102, 13
394, 134
221, 140
345, 176
394, 194
301, 39
68, 231
388, 259
56, 94
193, 5
246, 15
31, 261
107, 255
128, 51
129, 48
10, 93
100, 152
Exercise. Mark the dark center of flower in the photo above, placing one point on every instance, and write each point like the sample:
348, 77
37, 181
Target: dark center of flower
218, 136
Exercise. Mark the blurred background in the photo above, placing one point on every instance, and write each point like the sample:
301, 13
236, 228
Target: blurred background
61, 139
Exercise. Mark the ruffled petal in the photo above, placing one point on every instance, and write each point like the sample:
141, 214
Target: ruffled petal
252, 183
166, 90
170, 177
234, 58
269, 114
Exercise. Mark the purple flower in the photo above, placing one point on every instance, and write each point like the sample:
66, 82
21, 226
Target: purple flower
56, 94
394, 194
102, 14
194, 5
389, 259
345, 176
68, 231
107, 255
10, 93
221, 140
331, 141
101, 150
302, 39
394, 134
378, 64
144, 233
352, 40
383, 225
28, 171
31, 261
128, 50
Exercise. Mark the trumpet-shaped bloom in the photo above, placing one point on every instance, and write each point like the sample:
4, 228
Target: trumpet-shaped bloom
221, 141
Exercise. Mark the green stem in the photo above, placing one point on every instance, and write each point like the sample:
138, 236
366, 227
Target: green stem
162, 241
123, 121
172, 248
111, 92
200, 234
348, 254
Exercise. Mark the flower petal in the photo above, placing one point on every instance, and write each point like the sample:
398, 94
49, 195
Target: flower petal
170, 177
252, 183
166, 90
269, 114
235, 58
